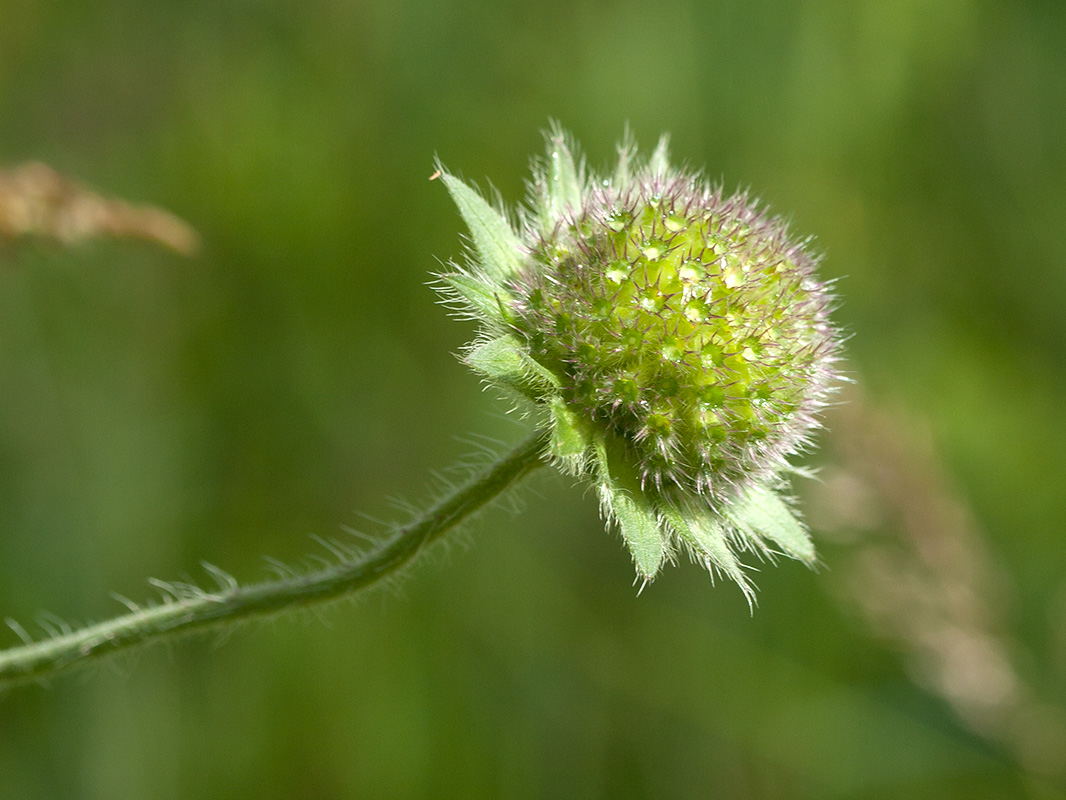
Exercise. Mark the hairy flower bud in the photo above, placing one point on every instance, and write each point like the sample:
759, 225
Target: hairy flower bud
677, 339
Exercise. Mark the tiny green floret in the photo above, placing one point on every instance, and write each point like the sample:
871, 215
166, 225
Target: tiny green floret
676, 339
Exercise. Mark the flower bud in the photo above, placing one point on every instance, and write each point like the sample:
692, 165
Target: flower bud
676, 339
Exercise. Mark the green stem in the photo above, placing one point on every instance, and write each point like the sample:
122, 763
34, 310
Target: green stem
188, 608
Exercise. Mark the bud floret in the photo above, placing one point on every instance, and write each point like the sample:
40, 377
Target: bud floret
676, 339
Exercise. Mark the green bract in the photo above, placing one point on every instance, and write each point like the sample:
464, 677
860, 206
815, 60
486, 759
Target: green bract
676, 340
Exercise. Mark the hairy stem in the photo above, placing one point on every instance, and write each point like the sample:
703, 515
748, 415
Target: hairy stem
188, 608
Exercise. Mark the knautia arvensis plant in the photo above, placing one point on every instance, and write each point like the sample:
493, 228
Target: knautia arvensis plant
674, 339
672, 344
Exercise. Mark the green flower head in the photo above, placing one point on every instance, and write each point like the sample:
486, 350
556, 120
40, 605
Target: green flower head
675, 340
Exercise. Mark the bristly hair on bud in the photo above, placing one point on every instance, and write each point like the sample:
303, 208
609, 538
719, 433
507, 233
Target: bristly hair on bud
674, 339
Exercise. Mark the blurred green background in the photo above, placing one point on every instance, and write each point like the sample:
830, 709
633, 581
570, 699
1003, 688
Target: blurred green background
157, 411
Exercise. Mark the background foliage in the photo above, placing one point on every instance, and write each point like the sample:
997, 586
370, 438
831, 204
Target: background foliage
156, 411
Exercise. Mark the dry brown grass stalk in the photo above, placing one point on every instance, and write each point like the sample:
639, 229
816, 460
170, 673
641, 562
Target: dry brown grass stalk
925, 579
37, 201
